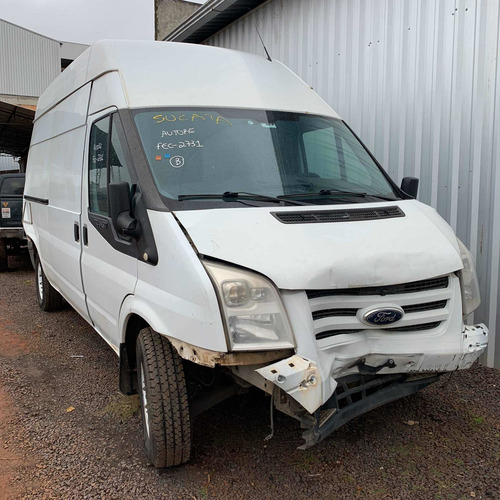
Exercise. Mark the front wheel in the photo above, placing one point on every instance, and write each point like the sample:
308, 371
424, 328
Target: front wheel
49, 299
164, 400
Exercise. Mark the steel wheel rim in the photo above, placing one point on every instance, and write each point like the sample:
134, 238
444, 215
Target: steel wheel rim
40, 280
144, 401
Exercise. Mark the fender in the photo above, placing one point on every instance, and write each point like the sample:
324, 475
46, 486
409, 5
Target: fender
142, 313
160, 321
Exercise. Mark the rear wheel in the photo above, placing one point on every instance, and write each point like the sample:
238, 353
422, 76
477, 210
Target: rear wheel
49, 299
164, 401
4, 263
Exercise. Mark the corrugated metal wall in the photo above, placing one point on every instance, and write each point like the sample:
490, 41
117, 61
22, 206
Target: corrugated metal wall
29, 62
419, 81
8, 163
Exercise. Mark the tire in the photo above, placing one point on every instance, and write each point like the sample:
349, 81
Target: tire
164, 400
49, 299
4, 259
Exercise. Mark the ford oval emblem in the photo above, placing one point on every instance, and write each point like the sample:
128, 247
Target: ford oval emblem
383, 317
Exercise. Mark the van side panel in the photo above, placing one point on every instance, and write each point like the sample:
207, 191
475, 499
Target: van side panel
55, 171
105, 90
73, 77
69, 114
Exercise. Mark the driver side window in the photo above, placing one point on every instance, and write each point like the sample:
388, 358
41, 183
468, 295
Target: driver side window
107, 162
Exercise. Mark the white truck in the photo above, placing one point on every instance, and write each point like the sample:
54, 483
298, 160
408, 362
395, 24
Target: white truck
221, 227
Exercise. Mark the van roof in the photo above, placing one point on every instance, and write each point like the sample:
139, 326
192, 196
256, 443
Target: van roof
170, 74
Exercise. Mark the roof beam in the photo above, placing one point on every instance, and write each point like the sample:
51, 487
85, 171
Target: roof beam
210, 19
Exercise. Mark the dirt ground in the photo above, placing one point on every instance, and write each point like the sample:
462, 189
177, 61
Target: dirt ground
66, 432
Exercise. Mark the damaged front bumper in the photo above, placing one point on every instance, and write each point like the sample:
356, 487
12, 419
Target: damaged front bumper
323, 402
358, 394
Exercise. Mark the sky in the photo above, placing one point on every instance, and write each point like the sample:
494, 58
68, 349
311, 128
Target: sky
83, 21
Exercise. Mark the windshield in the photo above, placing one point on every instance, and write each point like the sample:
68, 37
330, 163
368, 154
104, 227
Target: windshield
271, 153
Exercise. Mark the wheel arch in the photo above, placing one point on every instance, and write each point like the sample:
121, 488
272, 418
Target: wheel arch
33, 252
128, 370
31, 234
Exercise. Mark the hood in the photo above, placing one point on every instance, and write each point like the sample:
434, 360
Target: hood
323, 255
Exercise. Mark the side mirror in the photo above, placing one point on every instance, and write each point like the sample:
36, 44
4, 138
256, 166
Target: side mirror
120, 205
410, 186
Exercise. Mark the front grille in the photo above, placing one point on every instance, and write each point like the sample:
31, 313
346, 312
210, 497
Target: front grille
415, 286
428, 306
410, 328
416, 328
338, 312
327, 313
350, 215
332, 333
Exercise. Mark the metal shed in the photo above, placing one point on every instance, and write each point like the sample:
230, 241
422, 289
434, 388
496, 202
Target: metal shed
8, 164
29, 62
418, 80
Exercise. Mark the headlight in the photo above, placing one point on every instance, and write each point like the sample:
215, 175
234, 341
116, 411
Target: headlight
468, 281
253, 311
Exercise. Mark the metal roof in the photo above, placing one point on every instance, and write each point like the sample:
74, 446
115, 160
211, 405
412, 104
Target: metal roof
211, 18
16, 125
18, 26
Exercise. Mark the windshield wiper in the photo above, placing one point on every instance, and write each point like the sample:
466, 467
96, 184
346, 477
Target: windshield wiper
332, 193
239, 195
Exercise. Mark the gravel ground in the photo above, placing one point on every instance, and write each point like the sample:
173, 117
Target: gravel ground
443, 442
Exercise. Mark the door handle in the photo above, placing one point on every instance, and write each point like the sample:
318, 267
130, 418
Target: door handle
85, 235
76, 231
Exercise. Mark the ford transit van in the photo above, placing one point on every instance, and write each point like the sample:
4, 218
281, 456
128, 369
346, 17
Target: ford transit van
221, 227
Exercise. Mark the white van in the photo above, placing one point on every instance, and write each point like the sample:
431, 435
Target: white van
221, 227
